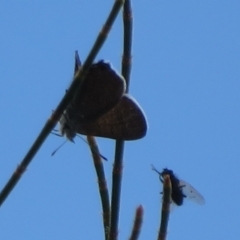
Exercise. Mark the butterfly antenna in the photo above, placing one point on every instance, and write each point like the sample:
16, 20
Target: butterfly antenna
104, 158
59, 147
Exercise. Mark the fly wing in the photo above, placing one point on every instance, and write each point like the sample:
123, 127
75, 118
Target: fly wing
191, 193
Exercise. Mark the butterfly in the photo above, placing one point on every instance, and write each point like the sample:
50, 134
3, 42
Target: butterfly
102, 108
180, 188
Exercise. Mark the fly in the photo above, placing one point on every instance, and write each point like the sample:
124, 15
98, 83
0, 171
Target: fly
180, 188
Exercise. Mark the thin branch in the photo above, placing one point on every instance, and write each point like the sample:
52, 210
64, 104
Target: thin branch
102, 184
127, 39
137, 223
116, 189
167, 192
119, 148
52, 121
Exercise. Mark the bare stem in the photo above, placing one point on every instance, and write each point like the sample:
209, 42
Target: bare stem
167, 191
119, 148
102, 184
137, 224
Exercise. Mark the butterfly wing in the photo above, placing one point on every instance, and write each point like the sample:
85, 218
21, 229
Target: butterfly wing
102, 88
191, 193
126, 121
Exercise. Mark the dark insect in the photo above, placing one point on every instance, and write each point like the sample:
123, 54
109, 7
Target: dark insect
180, 188
101, 108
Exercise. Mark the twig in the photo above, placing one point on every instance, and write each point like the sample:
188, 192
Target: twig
119, 148
127, 39
137, 223
102, 184
167, 191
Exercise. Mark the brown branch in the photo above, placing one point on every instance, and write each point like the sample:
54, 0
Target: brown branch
119, 147
137, 223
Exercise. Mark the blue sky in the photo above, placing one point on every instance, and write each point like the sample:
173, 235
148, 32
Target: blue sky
185, 75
